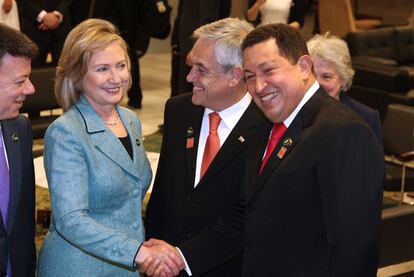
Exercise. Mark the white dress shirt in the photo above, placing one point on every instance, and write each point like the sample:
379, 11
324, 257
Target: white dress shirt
229, 118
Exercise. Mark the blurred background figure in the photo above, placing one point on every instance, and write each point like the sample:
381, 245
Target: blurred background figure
9, 14
47, 23
292, 12
334, 72
191, 14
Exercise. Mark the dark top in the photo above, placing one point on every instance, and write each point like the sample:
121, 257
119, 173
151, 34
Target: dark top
126, 142
371, 116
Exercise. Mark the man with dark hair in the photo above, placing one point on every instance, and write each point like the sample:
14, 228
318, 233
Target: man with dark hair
312, 206
17, 187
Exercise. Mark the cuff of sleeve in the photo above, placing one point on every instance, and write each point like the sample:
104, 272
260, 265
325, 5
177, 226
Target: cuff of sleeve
59, 15
40, 16
186, 268
134, 264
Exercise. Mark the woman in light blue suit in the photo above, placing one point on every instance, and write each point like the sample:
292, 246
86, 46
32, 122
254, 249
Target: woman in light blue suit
95, 162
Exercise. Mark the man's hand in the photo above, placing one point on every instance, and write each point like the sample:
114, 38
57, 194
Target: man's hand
49, 22
158, 258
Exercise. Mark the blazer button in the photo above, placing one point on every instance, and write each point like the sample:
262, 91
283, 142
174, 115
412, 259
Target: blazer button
135, 225
135, 193
247, 247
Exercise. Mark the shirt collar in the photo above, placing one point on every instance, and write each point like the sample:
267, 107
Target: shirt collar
311, 91
232, 114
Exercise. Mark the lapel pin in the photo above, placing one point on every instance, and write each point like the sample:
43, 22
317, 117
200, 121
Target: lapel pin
138, 142
189, 131
15, 137
281, 152
287, 142
241, 139
190, 143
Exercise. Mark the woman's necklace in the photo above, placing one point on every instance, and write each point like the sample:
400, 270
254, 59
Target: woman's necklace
115, 122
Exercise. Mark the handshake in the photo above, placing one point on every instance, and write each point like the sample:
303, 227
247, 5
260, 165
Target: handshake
158, 258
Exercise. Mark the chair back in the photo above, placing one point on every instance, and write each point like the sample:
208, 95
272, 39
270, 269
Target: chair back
44, 97
336, 17
398, 129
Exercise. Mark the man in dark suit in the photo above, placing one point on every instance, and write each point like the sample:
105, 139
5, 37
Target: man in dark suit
47, 23
184, 200
191, 14
314, 208
17, 188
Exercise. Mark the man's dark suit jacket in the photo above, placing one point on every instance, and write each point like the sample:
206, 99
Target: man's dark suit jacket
313, 211
50, 40
177, 211
17, 241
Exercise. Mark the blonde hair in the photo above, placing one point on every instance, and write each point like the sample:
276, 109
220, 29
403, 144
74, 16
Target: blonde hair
85, 39
335, 51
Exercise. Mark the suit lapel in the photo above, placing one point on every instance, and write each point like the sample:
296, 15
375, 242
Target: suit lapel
239, 138
285, 145
105, 140
14, 160
291, 138
192, 135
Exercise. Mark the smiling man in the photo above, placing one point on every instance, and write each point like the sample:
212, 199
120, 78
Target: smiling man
17, 188
206, 135
313, 202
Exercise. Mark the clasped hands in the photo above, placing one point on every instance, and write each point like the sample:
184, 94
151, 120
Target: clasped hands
158, 258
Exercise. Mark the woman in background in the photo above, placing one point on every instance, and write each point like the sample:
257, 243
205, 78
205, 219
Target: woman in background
9, 14
263, 12
334, 72
95, 162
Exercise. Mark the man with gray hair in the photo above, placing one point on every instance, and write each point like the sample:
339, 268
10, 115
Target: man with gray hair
17, 188
203, 156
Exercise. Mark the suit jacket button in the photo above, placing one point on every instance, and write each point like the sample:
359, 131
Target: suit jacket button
135, 225
135, 193
247, 247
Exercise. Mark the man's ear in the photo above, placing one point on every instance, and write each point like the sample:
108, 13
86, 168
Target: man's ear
305, 64
236, 76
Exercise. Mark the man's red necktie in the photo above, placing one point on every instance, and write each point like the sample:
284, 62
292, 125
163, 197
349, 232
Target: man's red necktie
277, 132
212, 143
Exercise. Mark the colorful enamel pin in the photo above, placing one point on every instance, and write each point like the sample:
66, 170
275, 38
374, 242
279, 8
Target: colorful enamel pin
281, 152
15, 137
287, 142
190, 140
